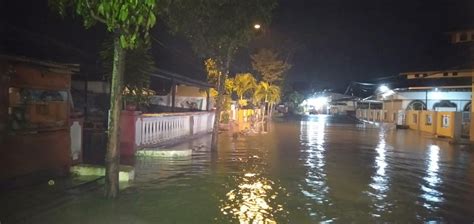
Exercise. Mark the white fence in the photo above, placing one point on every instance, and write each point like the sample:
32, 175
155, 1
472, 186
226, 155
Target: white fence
154, 129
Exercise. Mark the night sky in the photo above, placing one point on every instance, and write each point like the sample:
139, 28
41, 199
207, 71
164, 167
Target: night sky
329, 43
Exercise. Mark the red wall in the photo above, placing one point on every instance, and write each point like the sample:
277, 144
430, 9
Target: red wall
24, 154
32, 151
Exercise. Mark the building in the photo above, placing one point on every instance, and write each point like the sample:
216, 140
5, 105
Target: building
38, 134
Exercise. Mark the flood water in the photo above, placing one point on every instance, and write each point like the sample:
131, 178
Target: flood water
321, 168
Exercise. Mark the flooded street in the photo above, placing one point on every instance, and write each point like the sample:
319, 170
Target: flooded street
321, 168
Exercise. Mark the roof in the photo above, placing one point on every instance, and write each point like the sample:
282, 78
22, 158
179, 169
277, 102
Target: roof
461, 31
69, 68
451, 73
180, 79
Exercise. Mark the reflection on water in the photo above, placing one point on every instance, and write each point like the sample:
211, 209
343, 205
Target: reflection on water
253, 201
325, 168
312, 136
432, 180
380, 179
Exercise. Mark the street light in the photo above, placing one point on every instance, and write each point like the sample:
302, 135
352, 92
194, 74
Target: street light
257, 26
384, 88
385, 91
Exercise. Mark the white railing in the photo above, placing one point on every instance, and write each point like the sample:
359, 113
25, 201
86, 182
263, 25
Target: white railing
202, 123
154, 129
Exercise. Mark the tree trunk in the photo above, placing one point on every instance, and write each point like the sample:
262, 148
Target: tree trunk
217, 116
270, 110
112, 158
220, 98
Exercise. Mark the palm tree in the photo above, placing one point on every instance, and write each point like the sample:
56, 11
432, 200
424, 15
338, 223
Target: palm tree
267, 93
274, 95
261, 93
243, 83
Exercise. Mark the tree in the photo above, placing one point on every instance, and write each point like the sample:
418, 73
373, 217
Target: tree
269, 66
294, 100
244, 83
267, 93
216, 29
274, 96
138, 68
130, 22
212, 77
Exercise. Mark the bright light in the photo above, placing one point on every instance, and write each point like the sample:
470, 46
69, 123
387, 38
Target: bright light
388, 93
257, 26
436, 95
384, 88
318, 102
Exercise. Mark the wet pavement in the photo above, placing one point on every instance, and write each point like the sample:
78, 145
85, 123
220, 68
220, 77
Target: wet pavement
320, 168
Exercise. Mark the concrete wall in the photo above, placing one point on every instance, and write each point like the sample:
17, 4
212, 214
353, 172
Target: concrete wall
401, 100
413, 119
445, 124
428, 121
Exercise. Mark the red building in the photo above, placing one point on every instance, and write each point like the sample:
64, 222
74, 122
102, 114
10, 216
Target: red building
35, 124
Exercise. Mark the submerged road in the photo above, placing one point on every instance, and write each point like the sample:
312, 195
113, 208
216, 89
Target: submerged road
320, 168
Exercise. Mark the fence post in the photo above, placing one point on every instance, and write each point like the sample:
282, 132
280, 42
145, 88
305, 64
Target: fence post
128, 131
191, 125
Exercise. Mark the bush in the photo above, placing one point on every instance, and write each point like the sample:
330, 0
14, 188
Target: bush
225, 117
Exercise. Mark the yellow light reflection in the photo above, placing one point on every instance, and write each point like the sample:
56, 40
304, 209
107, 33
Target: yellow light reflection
252, 201
380, 180
313, 134
431, 194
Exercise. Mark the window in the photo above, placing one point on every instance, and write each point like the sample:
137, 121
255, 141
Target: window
429, 120
34, 109
415, 118
445, 121
463, 37
385, 116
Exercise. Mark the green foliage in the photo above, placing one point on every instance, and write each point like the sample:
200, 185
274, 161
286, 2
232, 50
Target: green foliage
130, 19
139, 65
260, 93
139, 97
244, 83
269, 66
225, 117
274, 94
266, 93
216, 28
294, 100
213, 74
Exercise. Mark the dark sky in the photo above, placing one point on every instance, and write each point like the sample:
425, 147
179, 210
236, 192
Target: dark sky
358, 40
332, 42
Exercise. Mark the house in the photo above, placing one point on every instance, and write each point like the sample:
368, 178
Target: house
186, 97
37, 134
181, 95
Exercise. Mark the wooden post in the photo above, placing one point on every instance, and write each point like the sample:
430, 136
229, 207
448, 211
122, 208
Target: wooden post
85, 95
471, 130
208, 104
173, 94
